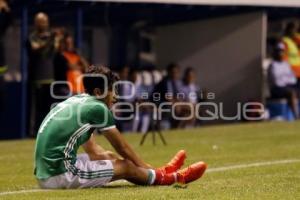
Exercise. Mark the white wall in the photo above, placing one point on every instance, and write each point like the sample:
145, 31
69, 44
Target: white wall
226, 52
100, 46
12, 48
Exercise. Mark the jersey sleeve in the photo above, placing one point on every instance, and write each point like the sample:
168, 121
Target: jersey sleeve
101, 117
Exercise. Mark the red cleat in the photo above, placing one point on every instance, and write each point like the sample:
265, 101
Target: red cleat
164, 179
176, 163
191, 173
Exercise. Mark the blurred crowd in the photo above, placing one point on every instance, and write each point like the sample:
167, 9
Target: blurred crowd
284, 70
179, 96
53, 57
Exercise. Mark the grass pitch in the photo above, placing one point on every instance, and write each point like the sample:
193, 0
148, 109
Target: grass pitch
230, 152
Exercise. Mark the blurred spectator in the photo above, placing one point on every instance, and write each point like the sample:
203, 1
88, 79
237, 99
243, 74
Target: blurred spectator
76, 65
190, 90
291, 49
142, 117
168, 89
5, 19
61, 65
41, 48
132, 90
124, 91
189, 87
59, 33
282, 80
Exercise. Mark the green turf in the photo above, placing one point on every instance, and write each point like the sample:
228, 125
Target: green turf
219, 146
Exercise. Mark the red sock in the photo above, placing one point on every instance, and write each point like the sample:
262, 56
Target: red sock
162, 178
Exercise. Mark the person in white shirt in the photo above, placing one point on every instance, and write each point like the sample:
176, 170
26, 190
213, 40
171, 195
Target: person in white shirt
143, 115
189, 86
283, 82
190, 91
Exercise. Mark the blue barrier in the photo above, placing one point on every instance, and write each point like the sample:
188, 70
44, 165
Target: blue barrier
280, 109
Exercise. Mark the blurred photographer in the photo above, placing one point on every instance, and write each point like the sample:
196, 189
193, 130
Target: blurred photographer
41, 46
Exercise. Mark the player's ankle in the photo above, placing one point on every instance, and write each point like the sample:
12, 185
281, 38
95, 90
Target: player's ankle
151, 176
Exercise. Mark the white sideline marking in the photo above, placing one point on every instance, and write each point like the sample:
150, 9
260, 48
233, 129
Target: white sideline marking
23, 191
259, 164
217, 169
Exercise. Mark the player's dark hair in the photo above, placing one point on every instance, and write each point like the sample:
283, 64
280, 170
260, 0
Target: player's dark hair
91, 81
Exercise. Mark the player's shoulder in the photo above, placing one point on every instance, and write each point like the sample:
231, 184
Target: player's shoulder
92, 102
79, 99
87, 102
97, 106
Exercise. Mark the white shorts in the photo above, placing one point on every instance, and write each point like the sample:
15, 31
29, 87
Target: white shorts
100, 173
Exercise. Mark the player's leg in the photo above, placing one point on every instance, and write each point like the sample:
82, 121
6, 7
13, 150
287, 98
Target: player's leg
86, 173
125, 169
175, 164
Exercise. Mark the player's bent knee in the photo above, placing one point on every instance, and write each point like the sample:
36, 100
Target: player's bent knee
123, 168
110, 155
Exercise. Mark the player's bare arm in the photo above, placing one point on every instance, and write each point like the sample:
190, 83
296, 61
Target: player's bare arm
96, 152
123, 148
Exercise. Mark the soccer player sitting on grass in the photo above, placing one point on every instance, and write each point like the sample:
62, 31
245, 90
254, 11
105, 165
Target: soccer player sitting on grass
73, 122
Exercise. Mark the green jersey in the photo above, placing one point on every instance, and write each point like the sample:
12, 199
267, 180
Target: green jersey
68, 125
